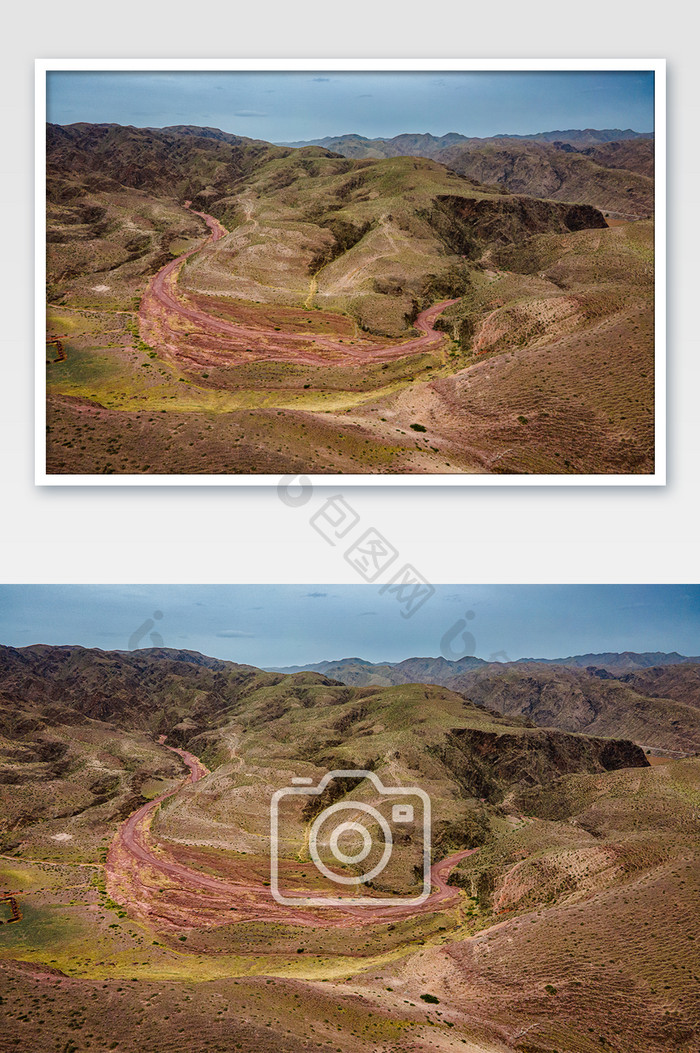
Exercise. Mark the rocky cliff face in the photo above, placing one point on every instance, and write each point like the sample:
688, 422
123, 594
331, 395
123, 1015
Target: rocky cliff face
467, 224
490, 765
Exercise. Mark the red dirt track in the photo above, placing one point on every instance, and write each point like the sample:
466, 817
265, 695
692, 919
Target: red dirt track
135, 867
174, 325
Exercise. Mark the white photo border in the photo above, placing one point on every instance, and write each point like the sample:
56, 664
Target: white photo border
656, 66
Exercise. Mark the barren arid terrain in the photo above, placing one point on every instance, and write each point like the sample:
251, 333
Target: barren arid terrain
221, 305
135, 856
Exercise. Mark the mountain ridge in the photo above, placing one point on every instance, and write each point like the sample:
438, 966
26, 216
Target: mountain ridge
588, 135
612, 169
655, 706
652, 698
627, 658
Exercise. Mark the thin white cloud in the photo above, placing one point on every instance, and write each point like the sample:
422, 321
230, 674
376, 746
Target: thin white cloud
235, 634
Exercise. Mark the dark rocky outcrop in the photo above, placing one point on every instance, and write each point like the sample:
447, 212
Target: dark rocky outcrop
489, 765
467, 224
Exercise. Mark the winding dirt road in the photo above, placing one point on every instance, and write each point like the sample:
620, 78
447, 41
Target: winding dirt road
135, 866
162, 284
134, 831
174, 323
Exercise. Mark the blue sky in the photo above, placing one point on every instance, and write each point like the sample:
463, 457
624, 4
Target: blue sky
288, 106
273, 625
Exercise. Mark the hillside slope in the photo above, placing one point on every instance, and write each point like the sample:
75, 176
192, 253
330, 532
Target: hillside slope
609, 168
568, 918
558, 171
652, 698
54, 697
583, 700
220, 305
174, 162
596, 942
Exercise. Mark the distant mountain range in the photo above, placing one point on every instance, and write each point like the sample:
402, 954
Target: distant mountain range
402, 144
415, 669
610, 168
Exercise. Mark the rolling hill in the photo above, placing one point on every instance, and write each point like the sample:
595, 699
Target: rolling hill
583, 699
652, 698
292, 214
636, 155
143, 913
564, 173
611, 169
177, 162
222, 305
